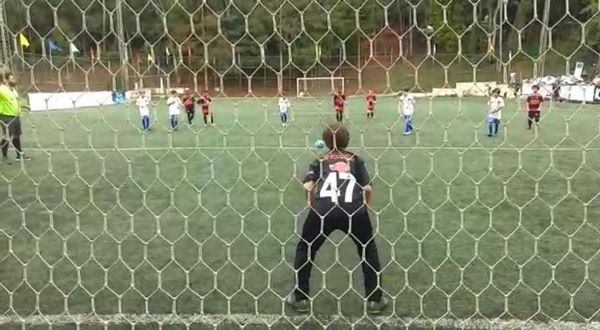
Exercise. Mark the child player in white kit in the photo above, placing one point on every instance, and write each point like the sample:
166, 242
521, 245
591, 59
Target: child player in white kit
175, 104
143, 104
495, 105
283, 106
406, 107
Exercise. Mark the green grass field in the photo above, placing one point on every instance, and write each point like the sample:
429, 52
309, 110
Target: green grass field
107, 220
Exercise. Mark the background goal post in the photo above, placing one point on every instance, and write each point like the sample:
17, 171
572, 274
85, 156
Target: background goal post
318, 86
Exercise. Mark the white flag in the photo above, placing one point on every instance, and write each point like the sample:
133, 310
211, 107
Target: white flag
168, 54
72, 49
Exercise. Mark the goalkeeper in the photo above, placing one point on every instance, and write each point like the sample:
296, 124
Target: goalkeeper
342, 191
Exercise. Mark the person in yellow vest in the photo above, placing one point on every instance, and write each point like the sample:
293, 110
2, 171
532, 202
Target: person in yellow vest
10, 123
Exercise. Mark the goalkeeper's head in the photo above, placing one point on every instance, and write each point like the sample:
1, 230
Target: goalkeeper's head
336, 137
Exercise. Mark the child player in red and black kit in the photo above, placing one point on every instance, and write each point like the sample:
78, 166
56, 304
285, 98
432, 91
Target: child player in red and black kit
371, 100
339, 192
534, 106
188, 103
205, 102
339, 100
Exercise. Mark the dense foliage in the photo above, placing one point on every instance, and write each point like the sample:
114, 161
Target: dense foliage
304, 28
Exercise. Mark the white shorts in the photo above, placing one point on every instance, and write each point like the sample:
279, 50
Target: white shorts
174, 112
491, 118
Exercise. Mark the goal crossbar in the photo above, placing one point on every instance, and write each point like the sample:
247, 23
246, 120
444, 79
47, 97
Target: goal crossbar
302, 83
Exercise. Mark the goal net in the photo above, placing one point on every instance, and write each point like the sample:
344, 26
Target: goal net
185, 209
318, 86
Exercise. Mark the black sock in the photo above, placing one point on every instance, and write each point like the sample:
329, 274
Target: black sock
17, 144
205, 119
212, 119
4, 144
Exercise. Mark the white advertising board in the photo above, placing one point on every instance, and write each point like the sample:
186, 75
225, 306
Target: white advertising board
587, 93
70, 100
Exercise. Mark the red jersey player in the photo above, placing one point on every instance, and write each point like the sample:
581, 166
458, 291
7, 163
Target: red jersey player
205, 102
188, 103
339, 100
534, 105
371, 100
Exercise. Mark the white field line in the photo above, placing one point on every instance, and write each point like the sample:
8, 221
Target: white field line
272, 319
366, 148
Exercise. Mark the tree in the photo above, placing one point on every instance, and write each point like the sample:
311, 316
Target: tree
302, 24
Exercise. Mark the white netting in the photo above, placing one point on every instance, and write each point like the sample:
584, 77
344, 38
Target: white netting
190, 225
319, 86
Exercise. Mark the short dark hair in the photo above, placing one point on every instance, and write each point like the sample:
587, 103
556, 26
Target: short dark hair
535, 87
173, 92
336, 136
496, 90
6, 75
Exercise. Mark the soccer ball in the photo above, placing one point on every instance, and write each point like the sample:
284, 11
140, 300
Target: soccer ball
319, 144
301, 94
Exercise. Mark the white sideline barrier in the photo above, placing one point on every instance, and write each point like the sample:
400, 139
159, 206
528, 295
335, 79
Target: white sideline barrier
587, 93
475, 88
156, 92
444, 92
70, 100
580, 93
130, 95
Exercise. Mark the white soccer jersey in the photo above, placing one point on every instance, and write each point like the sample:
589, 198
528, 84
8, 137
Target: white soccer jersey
174, 104
495, 105
406, 104
284, 105
143, 104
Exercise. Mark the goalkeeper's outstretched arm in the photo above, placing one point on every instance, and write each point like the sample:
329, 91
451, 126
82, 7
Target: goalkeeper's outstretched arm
368, 194
309, 187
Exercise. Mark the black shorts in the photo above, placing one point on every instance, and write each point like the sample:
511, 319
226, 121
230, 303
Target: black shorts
324, 207
534, 116
10, 125
357, 223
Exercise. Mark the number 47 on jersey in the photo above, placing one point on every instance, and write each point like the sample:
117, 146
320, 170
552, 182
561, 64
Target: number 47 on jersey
331, 186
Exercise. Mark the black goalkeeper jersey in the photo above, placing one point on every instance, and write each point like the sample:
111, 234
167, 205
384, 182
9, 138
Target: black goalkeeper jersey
340, 178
